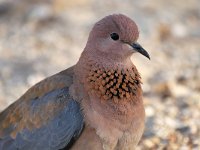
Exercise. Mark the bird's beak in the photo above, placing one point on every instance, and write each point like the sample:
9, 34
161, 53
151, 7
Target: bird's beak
137, 47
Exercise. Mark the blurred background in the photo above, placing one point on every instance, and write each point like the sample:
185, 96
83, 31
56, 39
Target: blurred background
39, 38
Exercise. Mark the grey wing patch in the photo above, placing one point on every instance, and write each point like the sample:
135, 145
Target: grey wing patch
56, 133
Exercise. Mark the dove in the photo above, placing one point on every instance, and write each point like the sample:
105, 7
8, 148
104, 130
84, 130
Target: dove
96, 104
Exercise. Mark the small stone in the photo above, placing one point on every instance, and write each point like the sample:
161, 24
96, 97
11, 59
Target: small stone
150, 111
149, 143
183, 130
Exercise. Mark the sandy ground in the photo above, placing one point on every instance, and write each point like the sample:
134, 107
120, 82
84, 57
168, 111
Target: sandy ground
41, 38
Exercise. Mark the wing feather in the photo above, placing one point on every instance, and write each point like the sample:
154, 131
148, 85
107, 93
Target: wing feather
49, 121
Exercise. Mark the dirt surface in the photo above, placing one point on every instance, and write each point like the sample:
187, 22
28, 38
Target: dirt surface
41, 38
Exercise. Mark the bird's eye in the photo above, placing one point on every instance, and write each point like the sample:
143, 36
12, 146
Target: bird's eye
114, 36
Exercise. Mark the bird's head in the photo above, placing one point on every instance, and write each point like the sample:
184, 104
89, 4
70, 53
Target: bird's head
114, 38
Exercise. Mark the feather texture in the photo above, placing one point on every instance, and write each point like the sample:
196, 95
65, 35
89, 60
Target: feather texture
47, 122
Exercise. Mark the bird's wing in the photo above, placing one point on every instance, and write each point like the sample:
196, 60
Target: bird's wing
46, 117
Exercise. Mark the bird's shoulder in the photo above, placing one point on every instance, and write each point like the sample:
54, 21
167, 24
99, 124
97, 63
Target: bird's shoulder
57, 81
43, 99
45, 117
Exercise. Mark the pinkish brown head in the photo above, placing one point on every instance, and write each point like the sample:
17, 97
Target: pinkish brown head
115, 38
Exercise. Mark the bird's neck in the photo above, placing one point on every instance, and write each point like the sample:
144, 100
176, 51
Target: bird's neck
111, 89
114, 83
111, 81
